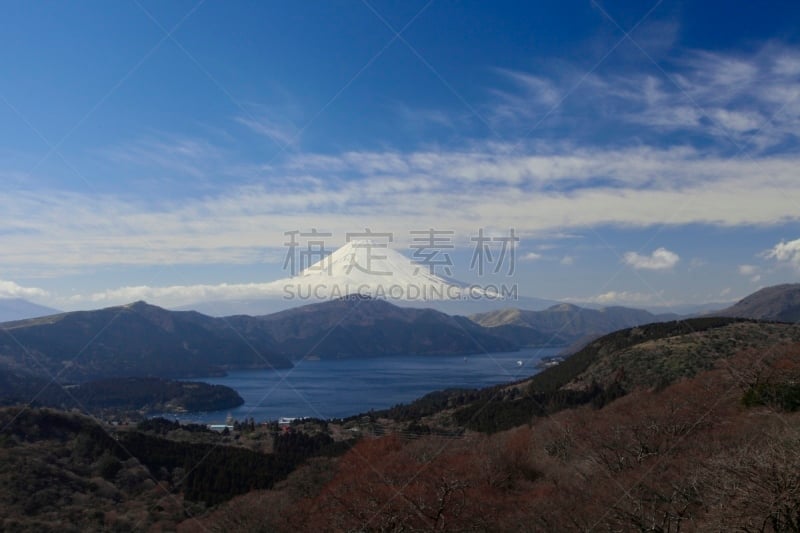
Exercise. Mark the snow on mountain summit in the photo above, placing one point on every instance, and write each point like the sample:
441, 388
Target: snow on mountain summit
368, 268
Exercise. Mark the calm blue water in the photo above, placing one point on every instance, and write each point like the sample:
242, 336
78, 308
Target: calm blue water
334, 389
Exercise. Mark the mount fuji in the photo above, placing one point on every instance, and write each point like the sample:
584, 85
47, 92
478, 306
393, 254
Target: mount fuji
365, 268
368, 269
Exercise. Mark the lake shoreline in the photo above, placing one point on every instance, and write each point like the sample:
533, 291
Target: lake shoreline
332, 389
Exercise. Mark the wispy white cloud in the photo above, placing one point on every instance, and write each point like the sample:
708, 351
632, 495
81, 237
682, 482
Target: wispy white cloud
621, 298
736, 101
284, 133
541, 187
424, 118
277, 117
785, 252
176, 295
182, 156
529, 96
567, 260
10, 289
750, 99
751, 271
660, 259
787, 63
748, 270
538, 195
530, 256
738, 121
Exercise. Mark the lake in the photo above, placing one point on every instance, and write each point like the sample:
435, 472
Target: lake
340, 388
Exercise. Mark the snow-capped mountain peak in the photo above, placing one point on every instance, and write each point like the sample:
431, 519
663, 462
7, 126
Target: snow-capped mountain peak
366, 267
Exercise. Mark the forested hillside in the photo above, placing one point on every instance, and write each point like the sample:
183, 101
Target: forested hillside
719, 451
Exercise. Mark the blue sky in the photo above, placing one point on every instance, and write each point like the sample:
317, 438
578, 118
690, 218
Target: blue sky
645, 152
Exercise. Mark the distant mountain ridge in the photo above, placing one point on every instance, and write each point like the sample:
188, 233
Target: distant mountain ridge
358, 326
265, 306
648, 357
20, 309
779, 303
139, 339
563, 323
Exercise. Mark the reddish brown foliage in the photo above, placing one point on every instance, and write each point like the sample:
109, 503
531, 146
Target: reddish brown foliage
688, 457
